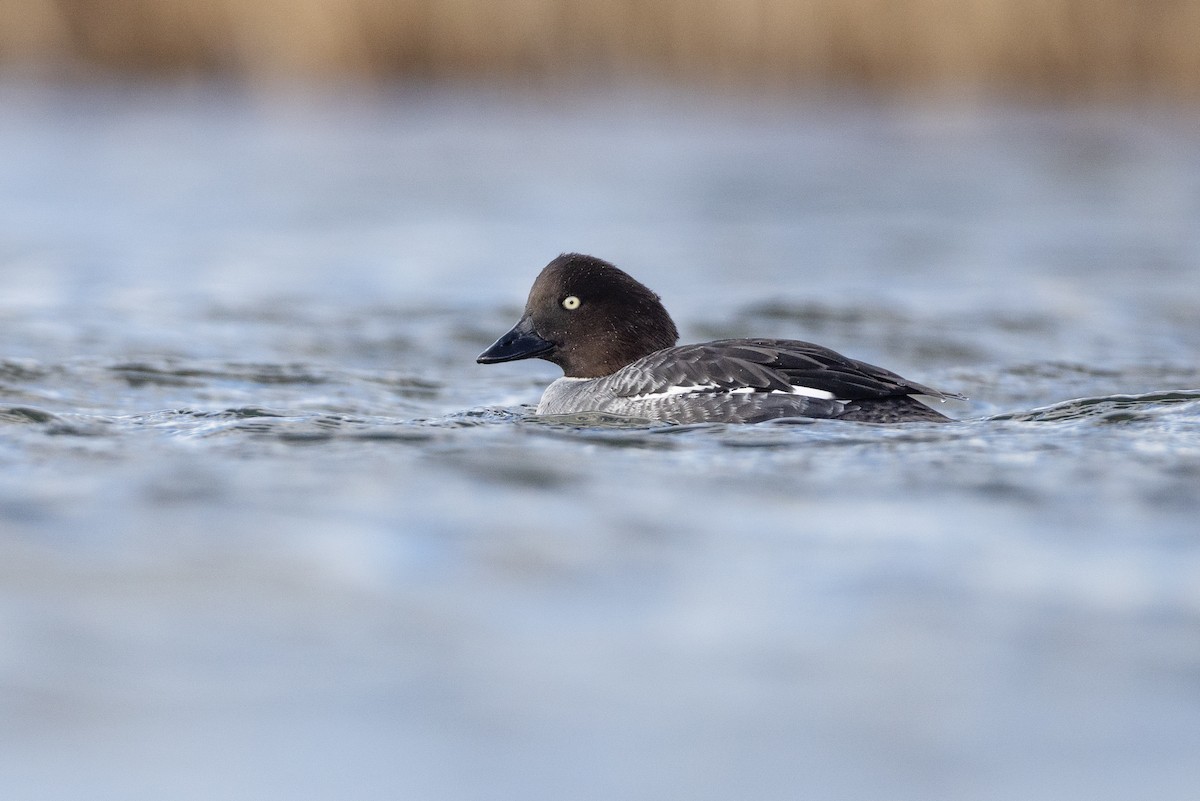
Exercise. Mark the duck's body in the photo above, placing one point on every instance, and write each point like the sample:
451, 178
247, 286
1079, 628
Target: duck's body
615, 343
743, 381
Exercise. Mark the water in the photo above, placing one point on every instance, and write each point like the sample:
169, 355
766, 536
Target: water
268, 531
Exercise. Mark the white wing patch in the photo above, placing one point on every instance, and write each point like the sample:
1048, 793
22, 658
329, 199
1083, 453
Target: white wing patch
809, 392
678, 390
697, 389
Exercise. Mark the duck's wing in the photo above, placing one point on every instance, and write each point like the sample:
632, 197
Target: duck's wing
763, 365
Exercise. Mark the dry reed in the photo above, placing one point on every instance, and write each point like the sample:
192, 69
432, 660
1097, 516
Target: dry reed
1082, 47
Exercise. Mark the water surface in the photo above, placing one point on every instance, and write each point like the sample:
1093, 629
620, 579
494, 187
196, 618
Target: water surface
267, 530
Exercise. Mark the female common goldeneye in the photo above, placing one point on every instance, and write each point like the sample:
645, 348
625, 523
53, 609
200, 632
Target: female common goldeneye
616, 345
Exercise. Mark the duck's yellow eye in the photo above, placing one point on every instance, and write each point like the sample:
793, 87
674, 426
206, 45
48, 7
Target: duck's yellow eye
570, 303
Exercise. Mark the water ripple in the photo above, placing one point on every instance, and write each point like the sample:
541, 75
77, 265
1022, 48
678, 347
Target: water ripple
1110, 409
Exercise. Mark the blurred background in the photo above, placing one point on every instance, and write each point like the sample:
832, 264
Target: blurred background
268, 531
1071, 48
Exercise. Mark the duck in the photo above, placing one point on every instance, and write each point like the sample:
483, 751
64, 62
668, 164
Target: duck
616, 345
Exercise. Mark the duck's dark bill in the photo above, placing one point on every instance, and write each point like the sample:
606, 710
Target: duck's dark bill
519, 343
